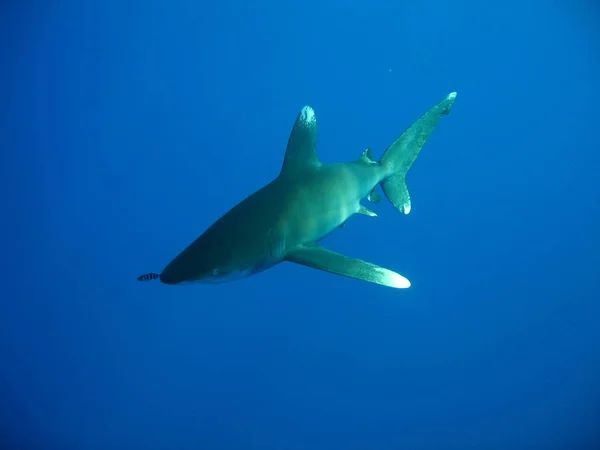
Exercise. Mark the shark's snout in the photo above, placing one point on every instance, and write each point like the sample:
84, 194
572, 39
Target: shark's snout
187, 268
167, 278
172, 274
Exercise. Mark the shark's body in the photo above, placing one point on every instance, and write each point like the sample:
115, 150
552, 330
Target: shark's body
285, 220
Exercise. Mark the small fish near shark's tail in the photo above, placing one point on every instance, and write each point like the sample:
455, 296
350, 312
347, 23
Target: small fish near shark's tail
399, 156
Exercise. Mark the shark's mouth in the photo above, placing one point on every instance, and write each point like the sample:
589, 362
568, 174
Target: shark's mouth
218, 276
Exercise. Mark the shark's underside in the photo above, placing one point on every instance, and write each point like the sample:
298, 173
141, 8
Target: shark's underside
285, 220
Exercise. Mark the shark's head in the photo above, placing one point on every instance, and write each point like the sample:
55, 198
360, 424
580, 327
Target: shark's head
179, 274
217, 256
204, 267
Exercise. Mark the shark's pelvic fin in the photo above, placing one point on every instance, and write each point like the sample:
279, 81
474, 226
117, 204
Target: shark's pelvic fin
399, 156
320, 258
374, 197
301, 152
366, 211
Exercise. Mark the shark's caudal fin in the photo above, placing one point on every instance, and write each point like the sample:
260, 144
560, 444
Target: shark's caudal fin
399, 156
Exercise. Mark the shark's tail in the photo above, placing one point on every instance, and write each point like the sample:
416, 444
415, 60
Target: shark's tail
399, 156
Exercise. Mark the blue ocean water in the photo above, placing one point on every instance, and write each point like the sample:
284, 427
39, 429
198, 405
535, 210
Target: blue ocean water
128, 127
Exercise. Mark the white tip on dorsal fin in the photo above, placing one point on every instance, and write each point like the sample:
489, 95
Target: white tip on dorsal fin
301, 152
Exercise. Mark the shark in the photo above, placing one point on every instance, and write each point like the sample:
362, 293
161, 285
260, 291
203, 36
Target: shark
287, 219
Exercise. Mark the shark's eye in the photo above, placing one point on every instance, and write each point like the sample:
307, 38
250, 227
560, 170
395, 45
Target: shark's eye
215, 272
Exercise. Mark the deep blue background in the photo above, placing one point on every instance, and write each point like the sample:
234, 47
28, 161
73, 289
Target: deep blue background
128, 127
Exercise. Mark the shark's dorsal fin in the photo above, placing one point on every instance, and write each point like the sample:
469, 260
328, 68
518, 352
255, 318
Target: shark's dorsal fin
301, 152
367, 157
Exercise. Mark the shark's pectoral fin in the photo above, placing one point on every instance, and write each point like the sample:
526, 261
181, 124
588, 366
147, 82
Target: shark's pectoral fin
320, 258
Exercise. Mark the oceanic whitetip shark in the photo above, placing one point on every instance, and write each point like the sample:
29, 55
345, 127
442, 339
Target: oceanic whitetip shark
285, 220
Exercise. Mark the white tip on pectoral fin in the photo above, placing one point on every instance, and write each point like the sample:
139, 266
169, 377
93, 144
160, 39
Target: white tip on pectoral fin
320, 258
393, 279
